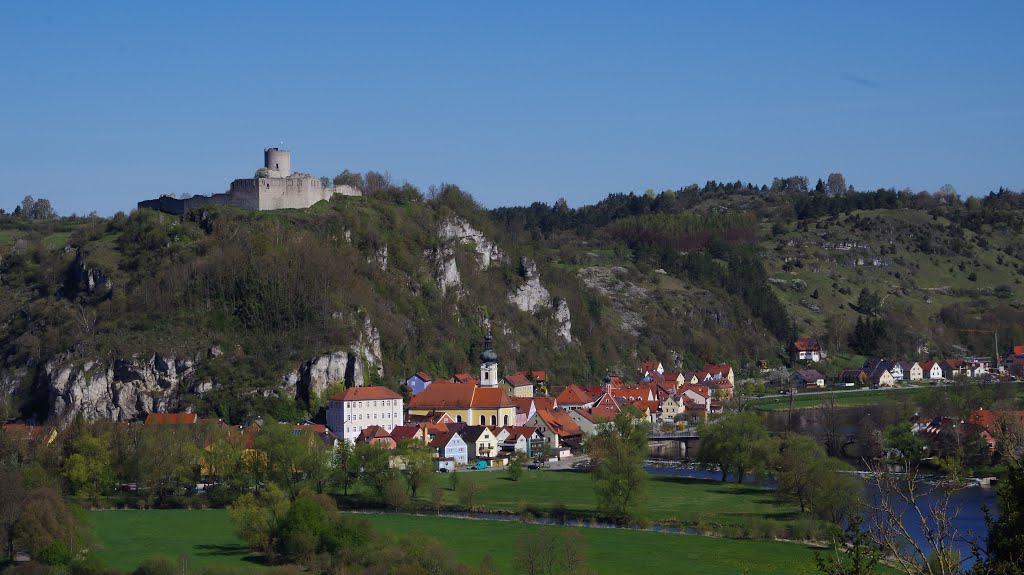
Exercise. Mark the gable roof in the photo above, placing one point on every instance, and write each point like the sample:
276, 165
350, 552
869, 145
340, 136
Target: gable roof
598, 414
649, 366
443, 396
927, 365
518, 380
559, 422
522, 403
373, 432
545, 402
462, 378
809, 375
171, 418
573, 394
422, 376
442, 440
366, 393
807, 344
400, 432
990, 420
471, 433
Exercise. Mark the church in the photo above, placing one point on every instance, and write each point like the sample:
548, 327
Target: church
483, 404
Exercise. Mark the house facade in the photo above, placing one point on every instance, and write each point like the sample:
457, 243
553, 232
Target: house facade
466, 404
450, 445
418, 382
808, 349
480, 441
356, 408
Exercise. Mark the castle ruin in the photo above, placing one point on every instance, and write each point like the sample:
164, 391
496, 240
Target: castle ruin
275, 187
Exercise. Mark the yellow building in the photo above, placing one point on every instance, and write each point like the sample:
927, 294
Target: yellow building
465, 403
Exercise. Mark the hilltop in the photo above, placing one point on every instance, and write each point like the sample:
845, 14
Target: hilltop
236, 313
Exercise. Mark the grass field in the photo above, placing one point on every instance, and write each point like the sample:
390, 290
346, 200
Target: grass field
207, 537
669, 499
128, 537
846, 399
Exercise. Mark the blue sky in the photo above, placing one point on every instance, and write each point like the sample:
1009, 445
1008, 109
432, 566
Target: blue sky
106, 103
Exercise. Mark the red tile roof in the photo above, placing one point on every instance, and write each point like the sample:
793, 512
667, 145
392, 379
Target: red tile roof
518, 380
171, 418
648, 366
522, 403
538, 376
807, 344
400, 432
559, 423
545, 402
373, 432
367, 393
441, 396
990, 420
598, 414
574, 395
423, 376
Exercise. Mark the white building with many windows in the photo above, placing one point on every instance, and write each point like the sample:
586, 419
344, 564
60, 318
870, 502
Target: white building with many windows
357, 408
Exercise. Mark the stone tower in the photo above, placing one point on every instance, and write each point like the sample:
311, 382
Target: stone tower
278, 162
488, 364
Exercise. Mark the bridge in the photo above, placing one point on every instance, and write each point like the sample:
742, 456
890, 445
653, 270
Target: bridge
674, 444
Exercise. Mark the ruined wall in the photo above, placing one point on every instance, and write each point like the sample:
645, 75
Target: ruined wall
298, 191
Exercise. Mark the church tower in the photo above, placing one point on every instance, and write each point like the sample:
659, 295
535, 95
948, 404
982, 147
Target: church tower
488, 364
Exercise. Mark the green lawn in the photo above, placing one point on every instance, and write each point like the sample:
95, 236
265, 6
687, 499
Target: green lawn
129, 537
669, 499
613, 551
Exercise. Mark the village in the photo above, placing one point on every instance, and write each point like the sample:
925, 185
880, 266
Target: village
480, 421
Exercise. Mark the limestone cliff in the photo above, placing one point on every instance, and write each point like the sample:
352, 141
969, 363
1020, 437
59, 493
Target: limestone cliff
456, 229
533, 297
123, 389
351, 366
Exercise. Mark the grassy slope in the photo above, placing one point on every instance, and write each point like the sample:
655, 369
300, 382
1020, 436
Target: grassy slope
668, 498
915, 289
129, 537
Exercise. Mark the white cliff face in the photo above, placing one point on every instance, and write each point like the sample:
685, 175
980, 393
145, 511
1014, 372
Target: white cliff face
350, 366
446, 271
531, 296
564, 320
457, 229
121, 390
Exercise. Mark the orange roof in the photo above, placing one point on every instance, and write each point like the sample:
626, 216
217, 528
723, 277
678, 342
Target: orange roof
515, 431
649, 366
405, 432
314, 427
723, 368
27, 432
462, 377
599, 414
701, 390
1018, 350
545, 402
988, 419
574, 394
538, 376
631, 392
517, 380
373, 432
422, 376
367, 393
171, 418
443, 396
559, 422
522, 404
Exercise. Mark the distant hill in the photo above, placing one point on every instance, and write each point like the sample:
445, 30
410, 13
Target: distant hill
236, 313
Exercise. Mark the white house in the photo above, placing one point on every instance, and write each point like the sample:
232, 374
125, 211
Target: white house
808, 349
357, 408
931, 370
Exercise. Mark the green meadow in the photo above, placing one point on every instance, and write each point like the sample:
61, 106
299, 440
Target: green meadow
128, 537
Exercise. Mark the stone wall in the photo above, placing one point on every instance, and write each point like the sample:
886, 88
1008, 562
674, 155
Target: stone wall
298, 191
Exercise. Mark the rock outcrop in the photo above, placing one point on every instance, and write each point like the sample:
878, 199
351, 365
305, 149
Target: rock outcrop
446, 271
457, 229
123, 389
91, 279
531, 296
350, 366
564, 319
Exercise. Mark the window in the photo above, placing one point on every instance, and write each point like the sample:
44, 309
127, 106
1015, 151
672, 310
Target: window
458, 419
506, 420
494, 420
483, 420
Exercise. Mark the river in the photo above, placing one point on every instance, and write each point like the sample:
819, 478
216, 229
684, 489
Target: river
970, 501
